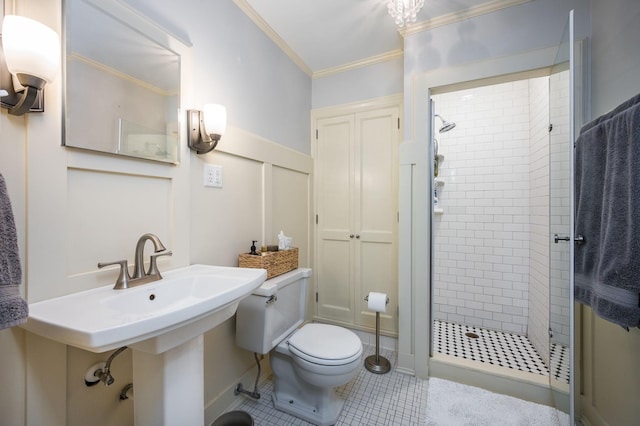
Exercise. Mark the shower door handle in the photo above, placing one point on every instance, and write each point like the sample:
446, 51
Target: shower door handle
579, 239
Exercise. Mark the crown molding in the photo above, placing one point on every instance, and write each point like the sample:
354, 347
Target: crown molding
454, 17
482, 9
357, 106
383, 57
274, 36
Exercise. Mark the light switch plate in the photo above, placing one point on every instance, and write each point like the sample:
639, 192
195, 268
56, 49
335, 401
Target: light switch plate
213, 176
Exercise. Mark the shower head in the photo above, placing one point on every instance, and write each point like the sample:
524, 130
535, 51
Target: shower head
446, 125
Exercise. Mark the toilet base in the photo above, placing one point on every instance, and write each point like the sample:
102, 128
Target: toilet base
292, 394
292, 404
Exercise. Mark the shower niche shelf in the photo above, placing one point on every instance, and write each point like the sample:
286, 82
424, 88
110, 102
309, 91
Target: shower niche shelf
438, 210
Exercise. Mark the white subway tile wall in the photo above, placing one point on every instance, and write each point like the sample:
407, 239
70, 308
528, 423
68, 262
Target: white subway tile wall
482, 240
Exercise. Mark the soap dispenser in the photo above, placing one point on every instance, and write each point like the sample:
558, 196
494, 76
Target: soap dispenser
253, 248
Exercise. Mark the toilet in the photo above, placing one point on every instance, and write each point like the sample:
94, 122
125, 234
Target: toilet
308, 362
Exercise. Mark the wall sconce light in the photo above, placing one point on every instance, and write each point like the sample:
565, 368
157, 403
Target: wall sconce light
29, 58
206, 127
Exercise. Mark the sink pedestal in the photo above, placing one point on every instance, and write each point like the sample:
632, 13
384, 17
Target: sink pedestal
169, 386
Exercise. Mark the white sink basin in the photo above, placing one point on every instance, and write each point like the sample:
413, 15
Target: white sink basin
153, 317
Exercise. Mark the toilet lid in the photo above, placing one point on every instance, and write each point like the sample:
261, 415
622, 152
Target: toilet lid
325, 344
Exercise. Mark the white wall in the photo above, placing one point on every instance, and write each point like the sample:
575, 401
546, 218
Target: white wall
369, 82
76, 208
610, 374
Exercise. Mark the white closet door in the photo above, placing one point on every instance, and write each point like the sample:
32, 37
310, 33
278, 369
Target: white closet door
335, 175
376, 269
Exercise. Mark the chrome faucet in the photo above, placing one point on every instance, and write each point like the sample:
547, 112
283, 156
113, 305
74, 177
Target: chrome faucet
140, 276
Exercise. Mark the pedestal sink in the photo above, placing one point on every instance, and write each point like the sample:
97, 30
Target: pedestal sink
163, 323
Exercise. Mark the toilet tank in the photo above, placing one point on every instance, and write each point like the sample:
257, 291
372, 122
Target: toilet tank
272, 311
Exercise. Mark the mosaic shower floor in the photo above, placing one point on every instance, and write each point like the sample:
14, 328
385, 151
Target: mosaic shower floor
498, 348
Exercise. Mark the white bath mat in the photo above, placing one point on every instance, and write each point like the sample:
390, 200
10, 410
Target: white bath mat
453, 404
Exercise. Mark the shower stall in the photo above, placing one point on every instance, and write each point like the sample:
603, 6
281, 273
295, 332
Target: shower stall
486, 297
501, 225
493, 267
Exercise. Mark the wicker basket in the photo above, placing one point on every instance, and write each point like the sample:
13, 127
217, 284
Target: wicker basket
275, 262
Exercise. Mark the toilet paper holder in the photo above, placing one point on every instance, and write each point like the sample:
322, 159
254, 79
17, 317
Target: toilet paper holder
366, 298
376, 363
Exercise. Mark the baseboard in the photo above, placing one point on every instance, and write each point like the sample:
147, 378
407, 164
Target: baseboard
406, 364
386, 342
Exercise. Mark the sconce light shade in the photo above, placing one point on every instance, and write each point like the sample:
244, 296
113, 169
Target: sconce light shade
215, 119
206, 127
30, 48
32, 55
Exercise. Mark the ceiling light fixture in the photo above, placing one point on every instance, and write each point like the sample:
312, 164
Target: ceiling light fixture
404, 11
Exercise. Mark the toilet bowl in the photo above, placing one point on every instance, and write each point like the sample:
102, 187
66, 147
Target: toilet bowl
308, 365
324, 355
308, 362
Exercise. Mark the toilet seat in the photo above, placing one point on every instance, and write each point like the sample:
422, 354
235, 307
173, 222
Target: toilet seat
325, 344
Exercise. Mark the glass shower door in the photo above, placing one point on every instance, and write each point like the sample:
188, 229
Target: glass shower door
561, 213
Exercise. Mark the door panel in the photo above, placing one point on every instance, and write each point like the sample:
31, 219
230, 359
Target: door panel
334, 178
376, 253
335, 298
378, 272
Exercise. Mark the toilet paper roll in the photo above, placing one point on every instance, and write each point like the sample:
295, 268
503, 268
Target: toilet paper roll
377, 302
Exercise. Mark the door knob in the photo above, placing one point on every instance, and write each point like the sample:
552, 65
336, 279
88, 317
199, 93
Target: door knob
357, 235
557, 238
351, 236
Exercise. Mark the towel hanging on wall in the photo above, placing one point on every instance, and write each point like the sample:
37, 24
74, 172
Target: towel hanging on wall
607, 266
13, 308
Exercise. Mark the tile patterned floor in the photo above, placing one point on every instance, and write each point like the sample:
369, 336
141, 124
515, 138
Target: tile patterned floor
559, 360
372, 399
497, 348
396, 399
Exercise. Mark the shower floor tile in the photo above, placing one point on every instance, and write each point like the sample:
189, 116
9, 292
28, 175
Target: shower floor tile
371, 399
488, 346
559, 360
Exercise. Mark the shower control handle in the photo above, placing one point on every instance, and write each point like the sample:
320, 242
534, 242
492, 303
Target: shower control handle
579, 239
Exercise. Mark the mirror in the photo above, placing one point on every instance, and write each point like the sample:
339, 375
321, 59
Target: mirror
121, 83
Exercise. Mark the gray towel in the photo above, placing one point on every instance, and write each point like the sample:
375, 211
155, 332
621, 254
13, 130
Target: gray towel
607, 266
13, 309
